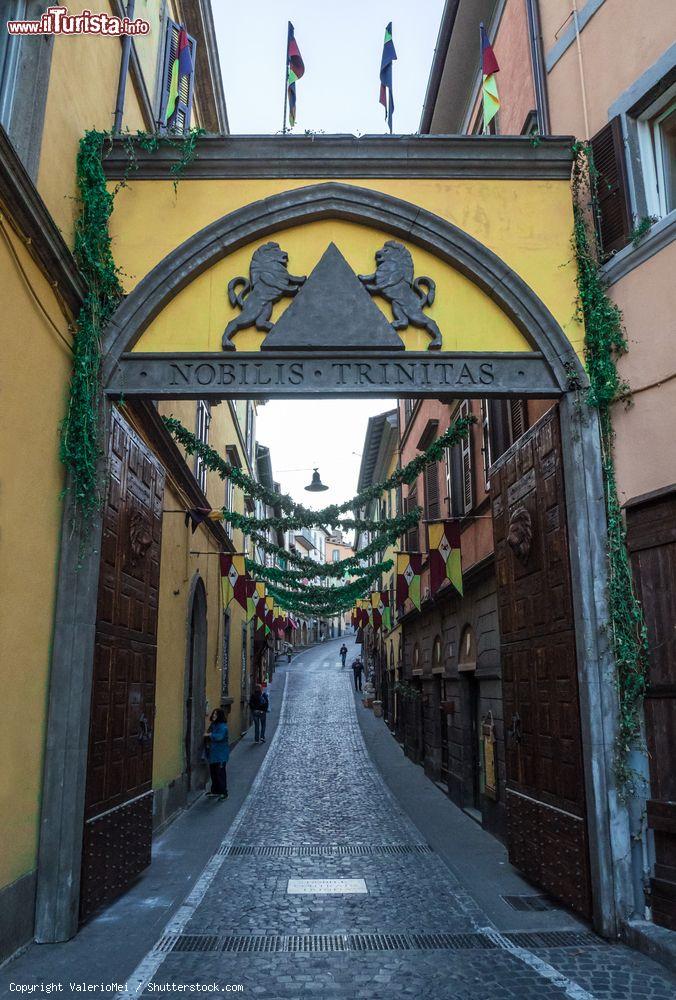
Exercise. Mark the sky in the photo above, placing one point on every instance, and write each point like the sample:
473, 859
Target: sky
341, 45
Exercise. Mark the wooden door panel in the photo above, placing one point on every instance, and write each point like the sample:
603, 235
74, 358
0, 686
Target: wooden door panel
118, 798
651, 538
547, 836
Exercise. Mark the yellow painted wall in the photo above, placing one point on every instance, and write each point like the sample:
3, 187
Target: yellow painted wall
82, 92
35, 365
526, 223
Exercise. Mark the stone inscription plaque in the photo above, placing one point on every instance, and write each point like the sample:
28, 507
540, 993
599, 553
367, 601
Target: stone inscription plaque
268, 376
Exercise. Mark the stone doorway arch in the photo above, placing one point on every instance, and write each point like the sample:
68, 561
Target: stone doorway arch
552, 369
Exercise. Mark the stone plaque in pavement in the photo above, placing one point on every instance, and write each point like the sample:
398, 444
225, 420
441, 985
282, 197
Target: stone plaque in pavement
326, 886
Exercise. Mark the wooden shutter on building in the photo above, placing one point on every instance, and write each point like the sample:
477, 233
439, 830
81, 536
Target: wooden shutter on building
432, 498
467, 492
413, 534
614, 216
518, 418
181, 120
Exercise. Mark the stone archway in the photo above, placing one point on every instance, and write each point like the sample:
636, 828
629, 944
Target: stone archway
552, 369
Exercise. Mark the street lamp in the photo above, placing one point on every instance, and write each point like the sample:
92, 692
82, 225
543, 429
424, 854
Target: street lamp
316, 486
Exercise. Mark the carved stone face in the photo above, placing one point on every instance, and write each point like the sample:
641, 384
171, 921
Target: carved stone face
140, 536
520, 534
269, 262
393, 263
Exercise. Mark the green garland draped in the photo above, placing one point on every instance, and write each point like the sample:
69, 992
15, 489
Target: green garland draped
604, 343
248, 523
80, 447
375, 547
290, 577
328, 515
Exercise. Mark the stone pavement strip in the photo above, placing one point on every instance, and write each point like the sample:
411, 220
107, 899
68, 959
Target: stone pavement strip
319, 809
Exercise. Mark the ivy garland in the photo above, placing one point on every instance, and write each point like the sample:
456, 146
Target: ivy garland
247, 523
456, 433
80, 446
345, 566
291, 578
604, 343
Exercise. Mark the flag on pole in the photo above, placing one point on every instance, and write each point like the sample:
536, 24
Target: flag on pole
181, 69
388, 57
443, 539
409, 570
489, 67
295, 67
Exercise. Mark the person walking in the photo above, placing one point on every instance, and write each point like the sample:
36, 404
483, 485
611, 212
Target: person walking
218, 753
358, 670
343, 654
259, 703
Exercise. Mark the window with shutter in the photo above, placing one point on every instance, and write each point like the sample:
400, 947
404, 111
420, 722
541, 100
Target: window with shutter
448, 470
432, 499
487, 443
466, 464
412, 535
614, 217
180, 120
518, 418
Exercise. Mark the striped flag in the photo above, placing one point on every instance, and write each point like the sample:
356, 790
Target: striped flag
295, 67
489, 67
181, 68
388, 57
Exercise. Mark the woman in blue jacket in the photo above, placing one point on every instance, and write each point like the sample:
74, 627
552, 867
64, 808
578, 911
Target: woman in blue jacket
218, 752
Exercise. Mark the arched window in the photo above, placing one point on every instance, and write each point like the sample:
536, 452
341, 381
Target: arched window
467, 650
437, 666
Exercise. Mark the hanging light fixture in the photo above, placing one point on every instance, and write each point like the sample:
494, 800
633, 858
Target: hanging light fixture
316, 486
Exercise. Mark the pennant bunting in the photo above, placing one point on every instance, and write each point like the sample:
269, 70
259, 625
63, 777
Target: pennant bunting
380, 604
443, 539
198, 515
489, 68
409, 569
295, 68
235, 581
261, 608
388, 57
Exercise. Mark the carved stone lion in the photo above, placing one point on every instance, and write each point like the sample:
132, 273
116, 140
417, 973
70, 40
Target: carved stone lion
393, 279
520, 534
268, 282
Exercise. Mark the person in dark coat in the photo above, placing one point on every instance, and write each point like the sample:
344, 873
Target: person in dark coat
358, 670
218, 752
343, 655
259, 703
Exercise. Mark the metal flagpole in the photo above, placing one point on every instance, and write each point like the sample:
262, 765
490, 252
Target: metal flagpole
481, 77
286, 82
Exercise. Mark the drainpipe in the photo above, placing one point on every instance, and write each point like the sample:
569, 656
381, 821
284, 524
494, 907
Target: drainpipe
124, 71
539, 72
583, 87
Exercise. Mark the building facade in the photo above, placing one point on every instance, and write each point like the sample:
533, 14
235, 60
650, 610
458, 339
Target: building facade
560, 74
165, 651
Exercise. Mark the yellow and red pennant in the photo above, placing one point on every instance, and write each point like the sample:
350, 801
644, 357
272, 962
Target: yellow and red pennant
409, 570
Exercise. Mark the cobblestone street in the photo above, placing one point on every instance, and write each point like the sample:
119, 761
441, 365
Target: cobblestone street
319, 809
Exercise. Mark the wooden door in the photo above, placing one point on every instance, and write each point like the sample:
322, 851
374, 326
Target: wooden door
546, 814
118, 799
651, 538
